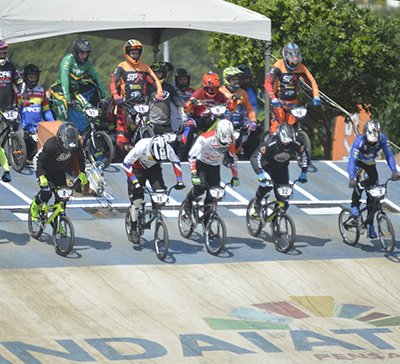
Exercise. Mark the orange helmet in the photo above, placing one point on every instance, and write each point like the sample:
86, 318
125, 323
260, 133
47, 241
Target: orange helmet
130, 45
210, 83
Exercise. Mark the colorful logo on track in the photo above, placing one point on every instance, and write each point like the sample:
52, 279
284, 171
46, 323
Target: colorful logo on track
280, 315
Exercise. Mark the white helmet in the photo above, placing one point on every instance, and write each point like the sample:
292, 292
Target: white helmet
224, 132
158, 149
372, 131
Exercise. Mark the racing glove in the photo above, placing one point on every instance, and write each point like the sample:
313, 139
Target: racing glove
264, 179
303, 177
316, 101
352, 183
179, 185
43, 182
235, 181
395, 176
196, 180
118, 99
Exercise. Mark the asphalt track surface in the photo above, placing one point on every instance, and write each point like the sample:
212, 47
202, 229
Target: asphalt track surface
110, 301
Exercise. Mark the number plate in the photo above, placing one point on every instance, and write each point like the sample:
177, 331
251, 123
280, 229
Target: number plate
11, 114
92, 112
141, 109
299, 112
159, 198
285, 191
377, 191
64, 193
217, 193
218, 110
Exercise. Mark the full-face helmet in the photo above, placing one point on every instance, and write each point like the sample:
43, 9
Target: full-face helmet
291, 56
286, 134
224, 132
31, 75
232, 77
372, 131
158, 149
3, 52
81, 46
211, 83
160, 69
131, 45
182, 78
67, 136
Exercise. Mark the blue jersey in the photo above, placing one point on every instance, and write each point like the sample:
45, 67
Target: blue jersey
363, 152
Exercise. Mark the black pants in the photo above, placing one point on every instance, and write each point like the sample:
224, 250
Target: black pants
153, 175
371, 179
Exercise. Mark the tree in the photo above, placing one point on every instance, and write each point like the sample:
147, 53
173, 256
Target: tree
351, 50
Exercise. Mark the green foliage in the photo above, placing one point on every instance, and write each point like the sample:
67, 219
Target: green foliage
352, 51
188, 50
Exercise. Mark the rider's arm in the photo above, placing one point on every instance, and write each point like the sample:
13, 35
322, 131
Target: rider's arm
146, 68
93, 73
65, 68
251, 114
232, 153
48, 115
308, 78
81, 156
44, 156
388, 152
305, 156
270, 80
173, 158
134, 155
194, 152
353, 156
256, 158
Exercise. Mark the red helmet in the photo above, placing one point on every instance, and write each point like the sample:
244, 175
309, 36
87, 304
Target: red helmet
130, 45
211, 83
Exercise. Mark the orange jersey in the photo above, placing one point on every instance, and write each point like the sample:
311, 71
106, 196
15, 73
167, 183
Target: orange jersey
284, 84
243, 101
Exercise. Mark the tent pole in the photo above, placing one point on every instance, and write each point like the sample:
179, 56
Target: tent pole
267, 54
156, 43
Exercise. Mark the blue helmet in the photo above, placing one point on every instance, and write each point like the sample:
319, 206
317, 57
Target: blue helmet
291, 56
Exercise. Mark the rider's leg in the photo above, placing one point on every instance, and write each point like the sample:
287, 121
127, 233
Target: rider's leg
136, 197
278, 117
372, 180
187, 139
196, 191
6, 168
155, 177
212, 176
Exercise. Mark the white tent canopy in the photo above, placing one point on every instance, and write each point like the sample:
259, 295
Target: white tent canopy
150, 21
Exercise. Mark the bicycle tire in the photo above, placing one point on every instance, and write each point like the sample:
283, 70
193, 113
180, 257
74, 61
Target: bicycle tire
185, 223
283, 235
254, 223
17, 152
105, 145
215, 235
386, 232
147, 132
161, 241
348, 227
63, 241
303, 136
35, 227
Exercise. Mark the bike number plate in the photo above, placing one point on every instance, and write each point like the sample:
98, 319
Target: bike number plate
141, 109
159, 198
299, 112
285, 191
217, 193
92, 112
64, 193
377, 191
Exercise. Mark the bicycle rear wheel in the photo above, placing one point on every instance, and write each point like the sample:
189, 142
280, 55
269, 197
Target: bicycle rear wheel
386, 232
36, 226
102, 150
283, 232
348, 227
17, 152
253, 219
185, 222
215, 235
161, 239
63, 235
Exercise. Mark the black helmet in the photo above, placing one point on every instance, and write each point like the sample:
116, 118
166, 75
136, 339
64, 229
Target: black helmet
286, 134
158, 149
181, 72
372, 131
31, 69
80, 45
67, 136
160, 67
246, 71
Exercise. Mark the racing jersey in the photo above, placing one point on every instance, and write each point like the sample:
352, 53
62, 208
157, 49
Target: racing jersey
275, 155
140, 158
199, 111
284, 84
73, 74
160, 111
131, 81
366, 153
52, 159
185, 94
244, 107
9, 80
207, 150
32, 114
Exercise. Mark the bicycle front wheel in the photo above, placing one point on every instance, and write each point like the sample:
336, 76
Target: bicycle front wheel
17, 152
36, 226
102, 149
161, 240
63, 235
348, 227
253, 219
386, 232
215, 235
185, 222
283, 232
